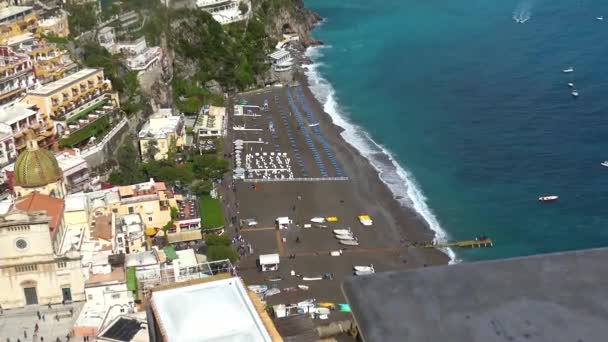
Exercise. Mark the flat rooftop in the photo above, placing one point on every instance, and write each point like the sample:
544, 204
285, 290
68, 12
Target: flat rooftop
551, 297
10, 11
224, 306
15, 112
64, 82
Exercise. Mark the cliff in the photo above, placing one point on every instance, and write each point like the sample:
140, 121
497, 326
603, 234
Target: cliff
289, 16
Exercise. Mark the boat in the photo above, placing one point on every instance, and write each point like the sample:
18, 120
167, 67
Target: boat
322, 311
569, 70
600, 18
574, 93
361, 273
349, 242
257, 288
571, 85
312, 278
364, 268
345, 237
272, 292
548, 198
303, 287
273, 279
605, 163
317, 219
342, 231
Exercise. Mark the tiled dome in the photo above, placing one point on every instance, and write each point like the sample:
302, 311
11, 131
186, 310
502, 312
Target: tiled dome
36, 167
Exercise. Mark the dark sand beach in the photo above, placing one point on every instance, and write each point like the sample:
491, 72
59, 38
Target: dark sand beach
384, 244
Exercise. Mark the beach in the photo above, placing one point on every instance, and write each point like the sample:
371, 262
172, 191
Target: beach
306, 251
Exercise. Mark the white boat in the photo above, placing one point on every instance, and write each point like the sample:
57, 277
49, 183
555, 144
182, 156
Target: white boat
569, 70
345, 237
364, 268
303, 287
342, 231
257, 288
272, 292
317, 219
349, 242
548, 198
360, 273
605, 163
312, 278
571, 85
599, 18
574, 93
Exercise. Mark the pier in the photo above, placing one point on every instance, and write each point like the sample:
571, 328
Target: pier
477, 243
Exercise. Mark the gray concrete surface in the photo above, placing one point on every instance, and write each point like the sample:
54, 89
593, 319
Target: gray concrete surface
552, 297
14, 322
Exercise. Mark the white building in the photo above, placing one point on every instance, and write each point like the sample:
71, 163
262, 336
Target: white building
281, 60
107, 38
138, 56
225, 11
211, 123
163, 129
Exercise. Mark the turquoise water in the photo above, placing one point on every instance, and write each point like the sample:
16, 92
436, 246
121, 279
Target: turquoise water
475, 108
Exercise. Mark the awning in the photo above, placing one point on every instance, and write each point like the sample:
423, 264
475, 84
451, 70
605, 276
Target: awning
269, 259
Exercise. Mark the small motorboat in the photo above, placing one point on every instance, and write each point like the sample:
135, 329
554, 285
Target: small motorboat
303, 287
257, 288
271, 292
569, 70
317, 220
342, 231
605, 163
273, 279
570, 84
600, 18
364, 268
574, 93
551, 198
361, 273
346, 237
313, 278
349, 242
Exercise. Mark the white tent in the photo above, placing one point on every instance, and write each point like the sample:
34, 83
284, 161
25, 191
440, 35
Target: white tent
283, 222
269, 262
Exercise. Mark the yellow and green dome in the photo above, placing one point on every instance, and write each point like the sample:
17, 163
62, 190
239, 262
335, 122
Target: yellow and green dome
36, 167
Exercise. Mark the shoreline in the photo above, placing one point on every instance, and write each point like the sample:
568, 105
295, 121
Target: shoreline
400, 210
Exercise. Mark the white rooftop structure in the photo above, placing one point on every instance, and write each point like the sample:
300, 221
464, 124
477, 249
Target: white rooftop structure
15, 112
64, 82
162, 123
75, 202
222, 304
9, 13
141, 259
224, 11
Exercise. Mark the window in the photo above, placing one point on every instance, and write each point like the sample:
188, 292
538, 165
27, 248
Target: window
119, 239
131, 211
62, 264
149, 218
26, 268
90, 297
115, 295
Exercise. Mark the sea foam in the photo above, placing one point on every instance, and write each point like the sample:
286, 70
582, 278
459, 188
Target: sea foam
400, 182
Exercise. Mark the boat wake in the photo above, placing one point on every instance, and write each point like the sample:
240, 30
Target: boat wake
400, 182
523, 12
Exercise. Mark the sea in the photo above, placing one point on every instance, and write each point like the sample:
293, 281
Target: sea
469, 101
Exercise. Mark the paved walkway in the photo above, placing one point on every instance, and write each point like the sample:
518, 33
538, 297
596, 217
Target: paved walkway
20, 323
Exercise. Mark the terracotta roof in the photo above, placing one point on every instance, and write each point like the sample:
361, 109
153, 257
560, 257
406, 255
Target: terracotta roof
103, 227
160, 186
38, 202
117, 274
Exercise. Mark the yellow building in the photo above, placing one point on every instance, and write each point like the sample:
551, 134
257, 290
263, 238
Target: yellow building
56, 24
150, 200
71, 95
17, 21
162, 130
50, 62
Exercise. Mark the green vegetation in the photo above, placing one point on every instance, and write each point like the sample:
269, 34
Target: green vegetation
170, 253
86, 112
131, 279
219, 248
211, 212
97, 129
52, 38
82, 18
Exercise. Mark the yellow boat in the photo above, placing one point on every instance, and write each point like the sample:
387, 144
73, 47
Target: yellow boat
331, 219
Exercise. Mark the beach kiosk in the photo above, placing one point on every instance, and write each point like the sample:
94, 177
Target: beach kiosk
269, 262
283, 222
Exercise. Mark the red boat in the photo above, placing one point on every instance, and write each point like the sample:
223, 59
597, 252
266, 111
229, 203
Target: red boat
548, 198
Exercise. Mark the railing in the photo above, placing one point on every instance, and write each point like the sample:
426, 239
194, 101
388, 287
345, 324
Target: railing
258, 180
94, 149
141, 198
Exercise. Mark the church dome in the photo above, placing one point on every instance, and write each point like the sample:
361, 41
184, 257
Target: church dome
36, 167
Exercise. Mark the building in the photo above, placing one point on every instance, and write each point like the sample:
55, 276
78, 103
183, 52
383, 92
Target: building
50, 62
281, 60
222, 302
107, 38
16, 21
31, 271
132, 230
17, 121
145, 266
55, 24
163, 130
224, 11
210, 123
137, 55
128, 22
551, 297
125, 329
37, 170
16, 74
71, 95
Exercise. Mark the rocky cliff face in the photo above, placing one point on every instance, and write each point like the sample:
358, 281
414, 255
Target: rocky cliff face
293, 17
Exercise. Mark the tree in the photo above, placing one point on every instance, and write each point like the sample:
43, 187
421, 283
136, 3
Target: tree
243, 8
174, 213
215, 253
172, 150
151, 149
130, 168
201, 187
217, 240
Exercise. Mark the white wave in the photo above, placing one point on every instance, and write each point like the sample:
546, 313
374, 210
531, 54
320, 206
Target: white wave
523, 11
400, 182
